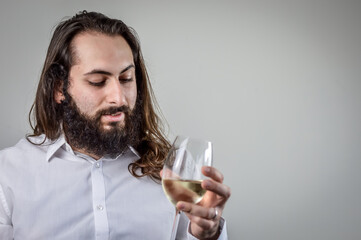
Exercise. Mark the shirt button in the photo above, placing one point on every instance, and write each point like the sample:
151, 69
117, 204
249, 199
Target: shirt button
100, 207
97, 165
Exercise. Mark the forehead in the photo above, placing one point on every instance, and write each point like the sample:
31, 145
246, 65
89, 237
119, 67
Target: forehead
95, 48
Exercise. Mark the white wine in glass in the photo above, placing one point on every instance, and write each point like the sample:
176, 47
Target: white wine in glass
182, 176
183, 190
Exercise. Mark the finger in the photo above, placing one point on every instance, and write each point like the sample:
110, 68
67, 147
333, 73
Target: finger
213, 173
199, 211
216, 187
203, 223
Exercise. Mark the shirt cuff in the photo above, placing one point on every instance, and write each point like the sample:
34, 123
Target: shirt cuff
223, 230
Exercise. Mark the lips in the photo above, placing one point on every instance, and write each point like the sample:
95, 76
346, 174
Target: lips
115, 117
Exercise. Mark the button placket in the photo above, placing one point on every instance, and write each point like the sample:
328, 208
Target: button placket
99, 206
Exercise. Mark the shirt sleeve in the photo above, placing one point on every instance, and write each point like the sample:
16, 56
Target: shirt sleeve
222, 236
6, 229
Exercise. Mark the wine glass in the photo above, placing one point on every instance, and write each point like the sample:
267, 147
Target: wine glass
182, 176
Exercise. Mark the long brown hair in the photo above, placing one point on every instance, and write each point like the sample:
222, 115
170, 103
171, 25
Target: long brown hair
46, 114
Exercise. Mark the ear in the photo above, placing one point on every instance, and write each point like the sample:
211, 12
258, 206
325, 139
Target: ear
57, 73
58, 93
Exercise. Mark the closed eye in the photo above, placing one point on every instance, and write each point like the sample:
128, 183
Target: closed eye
97, 84
125, 80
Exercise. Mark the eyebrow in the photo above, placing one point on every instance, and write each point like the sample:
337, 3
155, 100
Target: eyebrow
100, 71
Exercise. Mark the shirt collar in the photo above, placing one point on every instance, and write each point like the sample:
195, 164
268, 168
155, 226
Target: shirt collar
134, 151
58, 143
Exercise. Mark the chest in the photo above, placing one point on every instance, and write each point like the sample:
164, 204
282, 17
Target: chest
89, 201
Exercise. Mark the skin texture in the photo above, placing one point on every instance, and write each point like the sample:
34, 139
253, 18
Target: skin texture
103, 76
101, 59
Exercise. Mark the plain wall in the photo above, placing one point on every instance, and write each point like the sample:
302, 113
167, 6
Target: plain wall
276, 85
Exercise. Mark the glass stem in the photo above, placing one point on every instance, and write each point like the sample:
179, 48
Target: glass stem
175, 225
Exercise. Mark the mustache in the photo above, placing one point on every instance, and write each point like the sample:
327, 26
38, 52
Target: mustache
112, 110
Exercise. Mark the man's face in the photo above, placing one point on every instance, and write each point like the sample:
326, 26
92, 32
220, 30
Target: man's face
102, 77
101, 111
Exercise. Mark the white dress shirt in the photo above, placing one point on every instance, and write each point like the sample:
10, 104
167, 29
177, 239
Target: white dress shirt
50, 192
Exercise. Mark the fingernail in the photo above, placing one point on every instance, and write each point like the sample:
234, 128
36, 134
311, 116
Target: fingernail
207, 169
180, 206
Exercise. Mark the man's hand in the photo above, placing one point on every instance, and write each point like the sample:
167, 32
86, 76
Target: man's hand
205, 216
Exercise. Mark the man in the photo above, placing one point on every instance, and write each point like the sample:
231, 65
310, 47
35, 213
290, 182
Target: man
91, 168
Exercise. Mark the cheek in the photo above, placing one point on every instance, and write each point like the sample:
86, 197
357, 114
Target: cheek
86, 105
132, 96
85, 102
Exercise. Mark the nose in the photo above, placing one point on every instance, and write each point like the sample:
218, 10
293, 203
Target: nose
115, 93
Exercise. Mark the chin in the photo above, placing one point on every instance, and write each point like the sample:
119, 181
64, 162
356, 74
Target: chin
112, 125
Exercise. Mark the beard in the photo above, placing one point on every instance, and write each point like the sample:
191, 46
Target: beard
87, 133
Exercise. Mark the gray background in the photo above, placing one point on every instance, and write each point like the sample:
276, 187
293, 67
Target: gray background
274, 84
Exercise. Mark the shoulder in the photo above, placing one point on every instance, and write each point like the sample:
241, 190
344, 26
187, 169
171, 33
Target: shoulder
26, 148
25, 144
